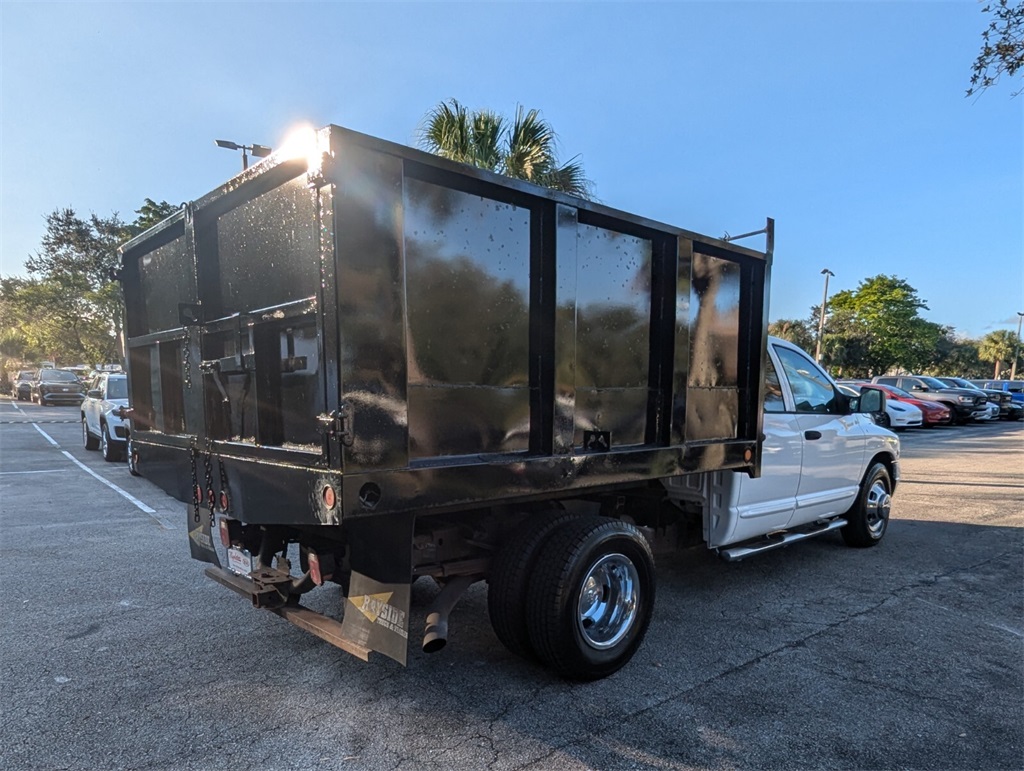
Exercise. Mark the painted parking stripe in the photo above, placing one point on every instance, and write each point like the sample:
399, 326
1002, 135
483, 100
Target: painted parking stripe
41, 471
46, 436
123, 493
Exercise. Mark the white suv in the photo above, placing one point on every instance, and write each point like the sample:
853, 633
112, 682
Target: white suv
101, 427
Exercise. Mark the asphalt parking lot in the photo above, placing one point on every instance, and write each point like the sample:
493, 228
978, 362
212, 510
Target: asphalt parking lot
119, 654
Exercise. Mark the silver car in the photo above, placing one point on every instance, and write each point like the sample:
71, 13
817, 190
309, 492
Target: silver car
102, 428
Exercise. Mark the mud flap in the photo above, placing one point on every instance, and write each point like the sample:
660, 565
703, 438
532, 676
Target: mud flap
377, 607
200, 537
377, 616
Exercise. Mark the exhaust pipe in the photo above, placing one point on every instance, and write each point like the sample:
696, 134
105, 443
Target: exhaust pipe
435, 635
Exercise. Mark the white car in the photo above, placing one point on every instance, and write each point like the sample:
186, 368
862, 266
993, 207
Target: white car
988, 412
101, 427
900, 414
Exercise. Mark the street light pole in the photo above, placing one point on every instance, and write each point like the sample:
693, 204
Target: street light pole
1016, 353
821, 318
258, 151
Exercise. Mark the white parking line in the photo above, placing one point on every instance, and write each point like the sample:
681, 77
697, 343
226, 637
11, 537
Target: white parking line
46, 436
124, 493
43, 471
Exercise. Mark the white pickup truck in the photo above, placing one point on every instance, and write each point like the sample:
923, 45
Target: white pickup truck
826, 465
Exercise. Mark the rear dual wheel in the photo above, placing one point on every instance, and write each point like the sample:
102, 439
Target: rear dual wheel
587, 598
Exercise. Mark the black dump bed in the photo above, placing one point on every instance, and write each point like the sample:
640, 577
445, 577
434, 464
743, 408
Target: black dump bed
417, 336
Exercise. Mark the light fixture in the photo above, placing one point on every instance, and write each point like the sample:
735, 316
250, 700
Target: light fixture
258, 151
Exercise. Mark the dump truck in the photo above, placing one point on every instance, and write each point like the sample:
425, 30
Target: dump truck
360, 365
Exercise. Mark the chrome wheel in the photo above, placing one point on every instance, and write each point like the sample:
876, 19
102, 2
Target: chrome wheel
608, 601
590, 597
868, 518
877, 504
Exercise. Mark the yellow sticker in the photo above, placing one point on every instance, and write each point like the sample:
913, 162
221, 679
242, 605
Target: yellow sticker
373, 605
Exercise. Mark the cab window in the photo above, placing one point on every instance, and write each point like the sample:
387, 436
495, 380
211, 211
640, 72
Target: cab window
812, 390
772, 390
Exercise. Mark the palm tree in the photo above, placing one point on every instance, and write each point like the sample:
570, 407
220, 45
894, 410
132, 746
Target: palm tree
524, 149
997, 347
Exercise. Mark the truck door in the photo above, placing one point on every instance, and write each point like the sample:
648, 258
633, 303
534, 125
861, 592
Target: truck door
768, 502
833, 443
263, 363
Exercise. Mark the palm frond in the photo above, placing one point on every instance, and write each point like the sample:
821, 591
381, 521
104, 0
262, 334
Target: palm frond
447, 132
531, 146
568, 178
487, 130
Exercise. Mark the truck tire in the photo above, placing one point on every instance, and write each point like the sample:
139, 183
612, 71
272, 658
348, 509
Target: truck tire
591, 597
131, 458
510, 576
868, 519
90, 441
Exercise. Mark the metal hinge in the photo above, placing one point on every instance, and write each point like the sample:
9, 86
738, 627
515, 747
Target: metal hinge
338, 424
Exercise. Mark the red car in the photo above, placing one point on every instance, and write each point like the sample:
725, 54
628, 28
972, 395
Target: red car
932, 413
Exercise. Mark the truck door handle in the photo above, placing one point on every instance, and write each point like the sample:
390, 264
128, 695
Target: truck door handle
812, 435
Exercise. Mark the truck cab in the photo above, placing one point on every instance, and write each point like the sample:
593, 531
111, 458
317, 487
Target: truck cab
818, 448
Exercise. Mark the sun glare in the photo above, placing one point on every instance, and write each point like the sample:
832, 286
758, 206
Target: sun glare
304, 142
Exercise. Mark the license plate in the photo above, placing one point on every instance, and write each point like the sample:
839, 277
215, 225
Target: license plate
239, 561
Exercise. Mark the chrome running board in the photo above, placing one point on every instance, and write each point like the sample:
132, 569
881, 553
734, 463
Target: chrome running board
777, 540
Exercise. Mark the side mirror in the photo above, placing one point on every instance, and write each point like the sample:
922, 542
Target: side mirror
95, 393
871, 401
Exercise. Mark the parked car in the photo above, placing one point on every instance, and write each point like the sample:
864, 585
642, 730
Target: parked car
1013, 387
898, 416
23, 385
932, 413
1008, 410
102, 425
56, 386
964, 403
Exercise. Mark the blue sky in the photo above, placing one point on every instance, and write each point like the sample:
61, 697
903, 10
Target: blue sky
846, 122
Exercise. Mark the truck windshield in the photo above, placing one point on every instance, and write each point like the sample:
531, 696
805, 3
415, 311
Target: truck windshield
932, 382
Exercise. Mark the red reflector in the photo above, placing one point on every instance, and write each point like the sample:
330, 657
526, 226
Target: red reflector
225, 534
223, 501
314, 568
211, 497
329, 497
197, 494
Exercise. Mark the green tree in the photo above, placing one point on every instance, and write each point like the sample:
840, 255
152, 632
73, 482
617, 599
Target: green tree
1002, 46
70, 309
998, 347
524, 149
877, 327
795, 331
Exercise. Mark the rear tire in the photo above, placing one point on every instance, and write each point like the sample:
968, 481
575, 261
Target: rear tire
88, 440
131, 458
510, 576
868, 519
591, 597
